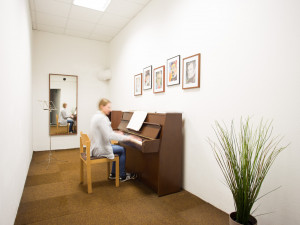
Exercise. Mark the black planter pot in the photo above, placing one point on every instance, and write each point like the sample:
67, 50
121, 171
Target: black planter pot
232, 217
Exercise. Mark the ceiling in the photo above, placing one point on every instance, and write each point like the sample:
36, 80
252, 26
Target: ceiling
62, 17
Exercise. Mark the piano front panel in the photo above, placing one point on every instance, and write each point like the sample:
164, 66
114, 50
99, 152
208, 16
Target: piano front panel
145, 165
150, 146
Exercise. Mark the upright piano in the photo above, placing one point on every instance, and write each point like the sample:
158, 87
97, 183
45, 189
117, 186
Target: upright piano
157, 154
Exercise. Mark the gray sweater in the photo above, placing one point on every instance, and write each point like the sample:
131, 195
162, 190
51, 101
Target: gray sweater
101, 134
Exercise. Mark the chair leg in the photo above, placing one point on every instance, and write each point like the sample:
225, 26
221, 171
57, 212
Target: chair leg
89, 178
117, 172
108, 169
81, 171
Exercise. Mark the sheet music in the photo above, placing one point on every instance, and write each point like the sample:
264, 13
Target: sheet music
137, 120
47, 105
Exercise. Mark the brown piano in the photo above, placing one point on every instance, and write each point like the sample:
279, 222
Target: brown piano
157, 154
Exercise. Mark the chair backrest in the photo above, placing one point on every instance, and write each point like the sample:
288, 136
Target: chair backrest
85, 140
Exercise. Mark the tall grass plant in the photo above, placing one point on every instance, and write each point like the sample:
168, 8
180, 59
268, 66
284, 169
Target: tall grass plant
245, 157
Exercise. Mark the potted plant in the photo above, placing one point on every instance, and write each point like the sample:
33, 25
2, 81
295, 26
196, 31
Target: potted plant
245, 158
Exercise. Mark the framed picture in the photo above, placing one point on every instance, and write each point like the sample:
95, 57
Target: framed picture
147, 75
191, 72
138, 84
173, 70
159, 79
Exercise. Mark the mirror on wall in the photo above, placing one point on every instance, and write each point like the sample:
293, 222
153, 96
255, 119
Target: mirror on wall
63, 96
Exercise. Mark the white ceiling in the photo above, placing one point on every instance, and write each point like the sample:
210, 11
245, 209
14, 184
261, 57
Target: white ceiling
62, 17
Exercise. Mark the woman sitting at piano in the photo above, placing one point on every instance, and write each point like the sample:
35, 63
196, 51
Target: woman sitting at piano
101, 134
65, 118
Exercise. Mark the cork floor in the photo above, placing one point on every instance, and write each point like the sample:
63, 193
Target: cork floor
54, 196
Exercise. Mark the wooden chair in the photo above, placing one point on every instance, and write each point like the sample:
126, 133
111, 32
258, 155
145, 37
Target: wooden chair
85, 158
59, 125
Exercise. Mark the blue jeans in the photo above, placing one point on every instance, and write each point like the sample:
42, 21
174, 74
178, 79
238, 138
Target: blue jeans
120, 151
70, 121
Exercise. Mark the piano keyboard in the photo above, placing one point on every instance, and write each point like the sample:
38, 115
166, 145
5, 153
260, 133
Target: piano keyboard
137, 141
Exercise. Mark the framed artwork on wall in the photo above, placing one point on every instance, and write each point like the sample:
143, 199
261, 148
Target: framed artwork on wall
173, 70
159, 79
191, 72
147, 75
138, 84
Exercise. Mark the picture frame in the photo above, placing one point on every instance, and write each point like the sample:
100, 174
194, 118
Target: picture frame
191, 72
159, 79
138, 84
173, 70
147, 78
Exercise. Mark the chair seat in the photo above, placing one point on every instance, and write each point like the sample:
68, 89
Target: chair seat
83, 155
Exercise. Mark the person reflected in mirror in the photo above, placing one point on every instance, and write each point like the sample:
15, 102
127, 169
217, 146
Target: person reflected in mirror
66, 118
101, 134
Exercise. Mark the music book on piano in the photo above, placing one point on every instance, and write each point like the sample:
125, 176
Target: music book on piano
137, 120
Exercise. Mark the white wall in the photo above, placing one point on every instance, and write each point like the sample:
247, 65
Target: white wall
16, 111
250, 66
60, 54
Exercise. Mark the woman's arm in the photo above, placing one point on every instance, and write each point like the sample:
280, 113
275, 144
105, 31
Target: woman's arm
108, 133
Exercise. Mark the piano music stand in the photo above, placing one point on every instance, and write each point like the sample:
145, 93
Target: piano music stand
49, 106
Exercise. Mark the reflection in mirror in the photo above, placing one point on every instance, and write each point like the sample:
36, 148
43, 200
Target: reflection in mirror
63, 95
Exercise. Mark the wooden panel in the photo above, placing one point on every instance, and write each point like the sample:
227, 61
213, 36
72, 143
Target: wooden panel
123, 124
115, 118
171, 155
134, 160
150, 146
148, 130
144, 165
151, 170
127, 115
158, 118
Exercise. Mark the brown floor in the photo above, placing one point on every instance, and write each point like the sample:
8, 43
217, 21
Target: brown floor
60, 130
54, 196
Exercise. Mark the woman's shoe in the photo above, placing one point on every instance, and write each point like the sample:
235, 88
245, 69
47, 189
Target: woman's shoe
129, 176
112, 177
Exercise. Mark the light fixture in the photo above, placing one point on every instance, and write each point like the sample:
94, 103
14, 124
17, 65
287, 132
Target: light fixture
99, 5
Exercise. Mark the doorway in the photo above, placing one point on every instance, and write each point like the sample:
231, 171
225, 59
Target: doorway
55, 99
